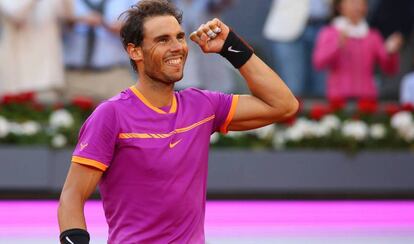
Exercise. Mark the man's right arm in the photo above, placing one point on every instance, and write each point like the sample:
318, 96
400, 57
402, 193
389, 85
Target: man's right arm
80, 183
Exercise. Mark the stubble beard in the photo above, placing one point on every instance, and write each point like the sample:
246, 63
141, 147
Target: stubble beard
162, 78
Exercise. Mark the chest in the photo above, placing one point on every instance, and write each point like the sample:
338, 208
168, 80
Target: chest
163, 145
359, 50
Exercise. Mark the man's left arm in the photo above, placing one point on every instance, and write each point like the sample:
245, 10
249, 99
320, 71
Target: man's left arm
270, 100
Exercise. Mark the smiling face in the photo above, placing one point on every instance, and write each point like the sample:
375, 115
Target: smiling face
164, 50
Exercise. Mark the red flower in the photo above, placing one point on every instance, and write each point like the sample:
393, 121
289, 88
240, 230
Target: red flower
408, 107
318, 111
24, 97
337, 104
289, 121
392, 109
84, 103
368, 106
7, 99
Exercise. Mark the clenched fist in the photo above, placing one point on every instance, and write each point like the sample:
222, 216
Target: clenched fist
211, 36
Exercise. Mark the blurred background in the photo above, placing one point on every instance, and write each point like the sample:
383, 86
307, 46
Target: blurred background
339, 170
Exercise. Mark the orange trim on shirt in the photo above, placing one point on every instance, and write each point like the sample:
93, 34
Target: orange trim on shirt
230, 115
89, 162
181, 130
162, 136
141, 97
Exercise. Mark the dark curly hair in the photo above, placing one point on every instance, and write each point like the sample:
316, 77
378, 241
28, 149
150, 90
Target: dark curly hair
132, 30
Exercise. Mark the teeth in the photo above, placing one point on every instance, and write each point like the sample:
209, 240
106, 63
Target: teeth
174, 61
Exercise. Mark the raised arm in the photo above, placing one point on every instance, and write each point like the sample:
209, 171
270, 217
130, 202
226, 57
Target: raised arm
388, 52
270, 100
80, 183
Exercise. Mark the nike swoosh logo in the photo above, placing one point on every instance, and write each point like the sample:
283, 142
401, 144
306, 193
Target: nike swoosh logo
230, 49
175, 143
83, 145
67, 238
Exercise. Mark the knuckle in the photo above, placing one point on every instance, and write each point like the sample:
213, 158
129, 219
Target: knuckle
205, 28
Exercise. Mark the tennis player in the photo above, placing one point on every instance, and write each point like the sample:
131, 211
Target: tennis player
147, 147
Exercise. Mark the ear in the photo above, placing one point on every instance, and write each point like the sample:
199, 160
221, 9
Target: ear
134, 52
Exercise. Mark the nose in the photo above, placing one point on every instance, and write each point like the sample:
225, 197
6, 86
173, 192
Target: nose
177, 45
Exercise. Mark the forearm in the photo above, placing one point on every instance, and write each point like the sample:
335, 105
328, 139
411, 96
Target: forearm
389, 62
80, 183
70, 212
267, 86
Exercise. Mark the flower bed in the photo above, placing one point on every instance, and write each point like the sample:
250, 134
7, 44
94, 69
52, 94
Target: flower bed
333, 126
24, 121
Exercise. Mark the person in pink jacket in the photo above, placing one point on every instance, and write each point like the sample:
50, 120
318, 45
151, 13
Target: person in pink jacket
349, 50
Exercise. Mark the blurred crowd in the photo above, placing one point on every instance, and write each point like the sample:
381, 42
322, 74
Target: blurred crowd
340, 50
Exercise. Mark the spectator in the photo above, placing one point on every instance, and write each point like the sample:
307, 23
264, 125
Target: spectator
204, 71
94, 55
349, 50
293, 27
30, 46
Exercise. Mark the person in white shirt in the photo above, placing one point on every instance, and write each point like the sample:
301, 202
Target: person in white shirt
97, 66
293, 26
30, 45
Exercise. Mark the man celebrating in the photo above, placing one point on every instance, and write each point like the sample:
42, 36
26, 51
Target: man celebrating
148, 146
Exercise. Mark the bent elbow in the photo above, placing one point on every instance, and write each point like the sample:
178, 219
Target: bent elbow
289, 109
292, 108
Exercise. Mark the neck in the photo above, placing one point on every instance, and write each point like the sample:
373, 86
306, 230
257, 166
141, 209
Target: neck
354, 21
157, 93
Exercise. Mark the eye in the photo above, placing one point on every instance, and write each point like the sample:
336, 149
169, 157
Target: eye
163, 40
181, 37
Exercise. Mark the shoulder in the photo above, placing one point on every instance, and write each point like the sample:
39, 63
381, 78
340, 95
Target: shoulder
192, 91
200, 95
115, 103
204, 100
